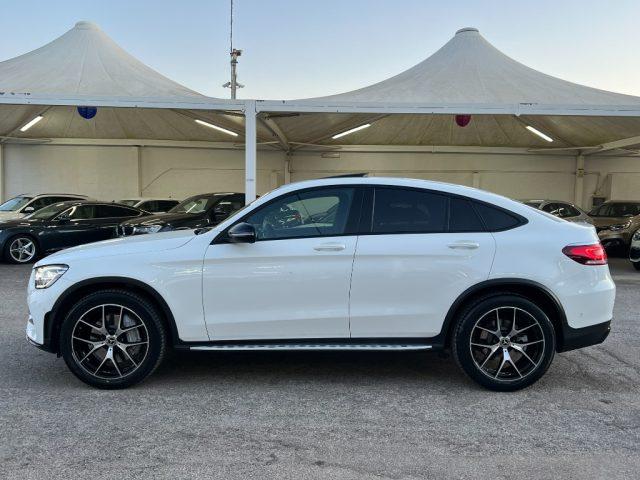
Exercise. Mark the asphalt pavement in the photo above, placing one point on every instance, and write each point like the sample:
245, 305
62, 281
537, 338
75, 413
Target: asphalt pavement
347, 415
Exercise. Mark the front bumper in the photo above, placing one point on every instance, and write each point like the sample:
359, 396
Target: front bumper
573, 338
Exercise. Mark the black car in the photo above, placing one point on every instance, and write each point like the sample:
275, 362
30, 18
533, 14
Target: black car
59, 226
204, 210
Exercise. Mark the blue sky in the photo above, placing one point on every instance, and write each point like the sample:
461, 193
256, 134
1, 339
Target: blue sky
303, 48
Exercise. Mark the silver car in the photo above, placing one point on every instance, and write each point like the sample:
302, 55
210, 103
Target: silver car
562, 209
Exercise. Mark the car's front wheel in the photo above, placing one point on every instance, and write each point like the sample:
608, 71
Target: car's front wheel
113, 339
504, 342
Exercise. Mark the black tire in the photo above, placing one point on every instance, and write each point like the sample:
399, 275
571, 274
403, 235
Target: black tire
636, 265
12, 256
121, 309
513, 370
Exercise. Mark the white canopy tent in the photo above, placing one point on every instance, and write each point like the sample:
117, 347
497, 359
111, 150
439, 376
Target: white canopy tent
135, 104
467, 76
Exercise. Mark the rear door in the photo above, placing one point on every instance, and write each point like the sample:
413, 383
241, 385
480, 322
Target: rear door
421, 249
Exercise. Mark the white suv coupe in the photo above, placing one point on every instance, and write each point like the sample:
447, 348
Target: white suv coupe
334, 264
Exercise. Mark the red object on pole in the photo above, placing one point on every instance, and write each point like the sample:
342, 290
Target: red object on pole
463, 120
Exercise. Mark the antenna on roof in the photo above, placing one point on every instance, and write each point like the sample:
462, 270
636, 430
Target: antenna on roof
235, 53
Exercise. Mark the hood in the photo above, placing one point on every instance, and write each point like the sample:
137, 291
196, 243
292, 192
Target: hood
123, 246
10, 215
162, 219
19, 222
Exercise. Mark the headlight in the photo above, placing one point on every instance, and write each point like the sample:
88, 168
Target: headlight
147, 229
47, 275
620, 226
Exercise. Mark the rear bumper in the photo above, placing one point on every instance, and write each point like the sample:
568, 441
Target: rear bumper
573, 338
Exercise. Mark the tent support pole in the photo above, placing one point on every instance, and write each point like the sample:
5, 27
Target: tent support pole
1, 171
139, 167
250, 152
579, 184
287, 169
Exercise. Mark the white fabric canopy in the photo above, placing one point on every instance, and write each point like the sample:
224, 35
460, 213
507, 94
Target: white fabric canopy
85, 66
467, 75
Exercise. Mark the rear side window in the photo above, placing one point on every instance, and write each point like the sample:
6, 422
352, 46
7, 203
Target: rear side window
114, 211
397, 210
496, 219
463, 217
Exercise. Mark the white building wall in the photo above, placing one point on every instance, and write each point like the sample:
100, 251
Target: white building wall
513, 175
111, 172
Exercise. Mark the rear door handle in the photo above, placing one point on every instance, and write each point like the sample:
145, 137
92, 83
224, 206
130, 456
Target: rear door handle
329, 247
464, 245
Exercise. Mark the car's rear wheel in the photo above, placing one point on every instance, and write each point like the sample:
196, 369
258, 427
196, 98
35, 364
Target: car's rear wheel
21, 249
113, 339
504, 342
636, 265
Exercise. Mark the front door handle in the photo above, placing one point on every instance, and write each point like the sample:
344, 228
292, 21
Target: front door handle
464, 245
329, 247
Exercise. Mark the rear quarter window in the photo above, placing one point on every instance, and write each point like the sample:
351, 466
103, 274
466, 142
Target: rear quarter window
496, 219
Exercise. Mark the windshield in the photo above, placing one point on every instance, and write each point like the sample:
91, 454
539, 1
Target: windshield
14, 204
197, 204
616, 209
49, 211
128, 203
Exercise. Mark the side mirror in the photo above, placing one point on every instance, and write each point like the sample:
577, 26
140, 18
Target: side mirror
28, 210
63, 220
242, 233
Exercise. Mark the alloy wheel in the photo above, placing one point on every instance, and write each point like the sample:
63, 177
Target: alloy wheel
109, 341
22, 250
507, 344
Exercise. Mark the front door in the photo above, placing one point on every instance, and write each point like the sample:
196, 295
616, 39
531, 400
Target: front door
293, 282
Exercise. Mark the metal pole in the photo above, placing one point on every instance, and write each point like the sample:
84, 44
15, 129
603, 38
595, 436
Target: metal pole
579, 183
1, 172
250, 152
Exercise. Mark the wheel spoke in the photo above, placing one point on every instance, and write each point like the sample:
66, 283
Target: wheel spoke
492, 332
494, 349
521, 350
123, 349
93, 350
101, 329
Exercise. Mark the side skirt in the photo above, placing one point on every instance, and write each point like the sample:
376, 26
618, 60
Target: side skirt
379, 344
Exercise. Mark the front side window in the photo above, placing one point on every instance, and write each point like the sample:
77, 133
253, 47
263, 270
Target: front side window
14, 204
312, 213
79, 212
397, 210
49, 212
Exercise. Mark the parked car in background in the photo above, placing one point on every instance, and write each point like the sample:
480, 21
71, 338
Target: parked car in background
151, 205
204, 210
561, 209
616, 222
334, 264
634, 250
26, 204
59, 226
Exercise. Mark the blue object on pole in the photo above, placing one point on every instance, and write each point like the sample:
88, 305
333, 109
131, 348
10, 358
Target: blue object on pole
87, 112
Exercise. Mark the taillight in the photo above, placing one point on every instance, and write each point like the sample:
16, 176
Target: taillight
586, 254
